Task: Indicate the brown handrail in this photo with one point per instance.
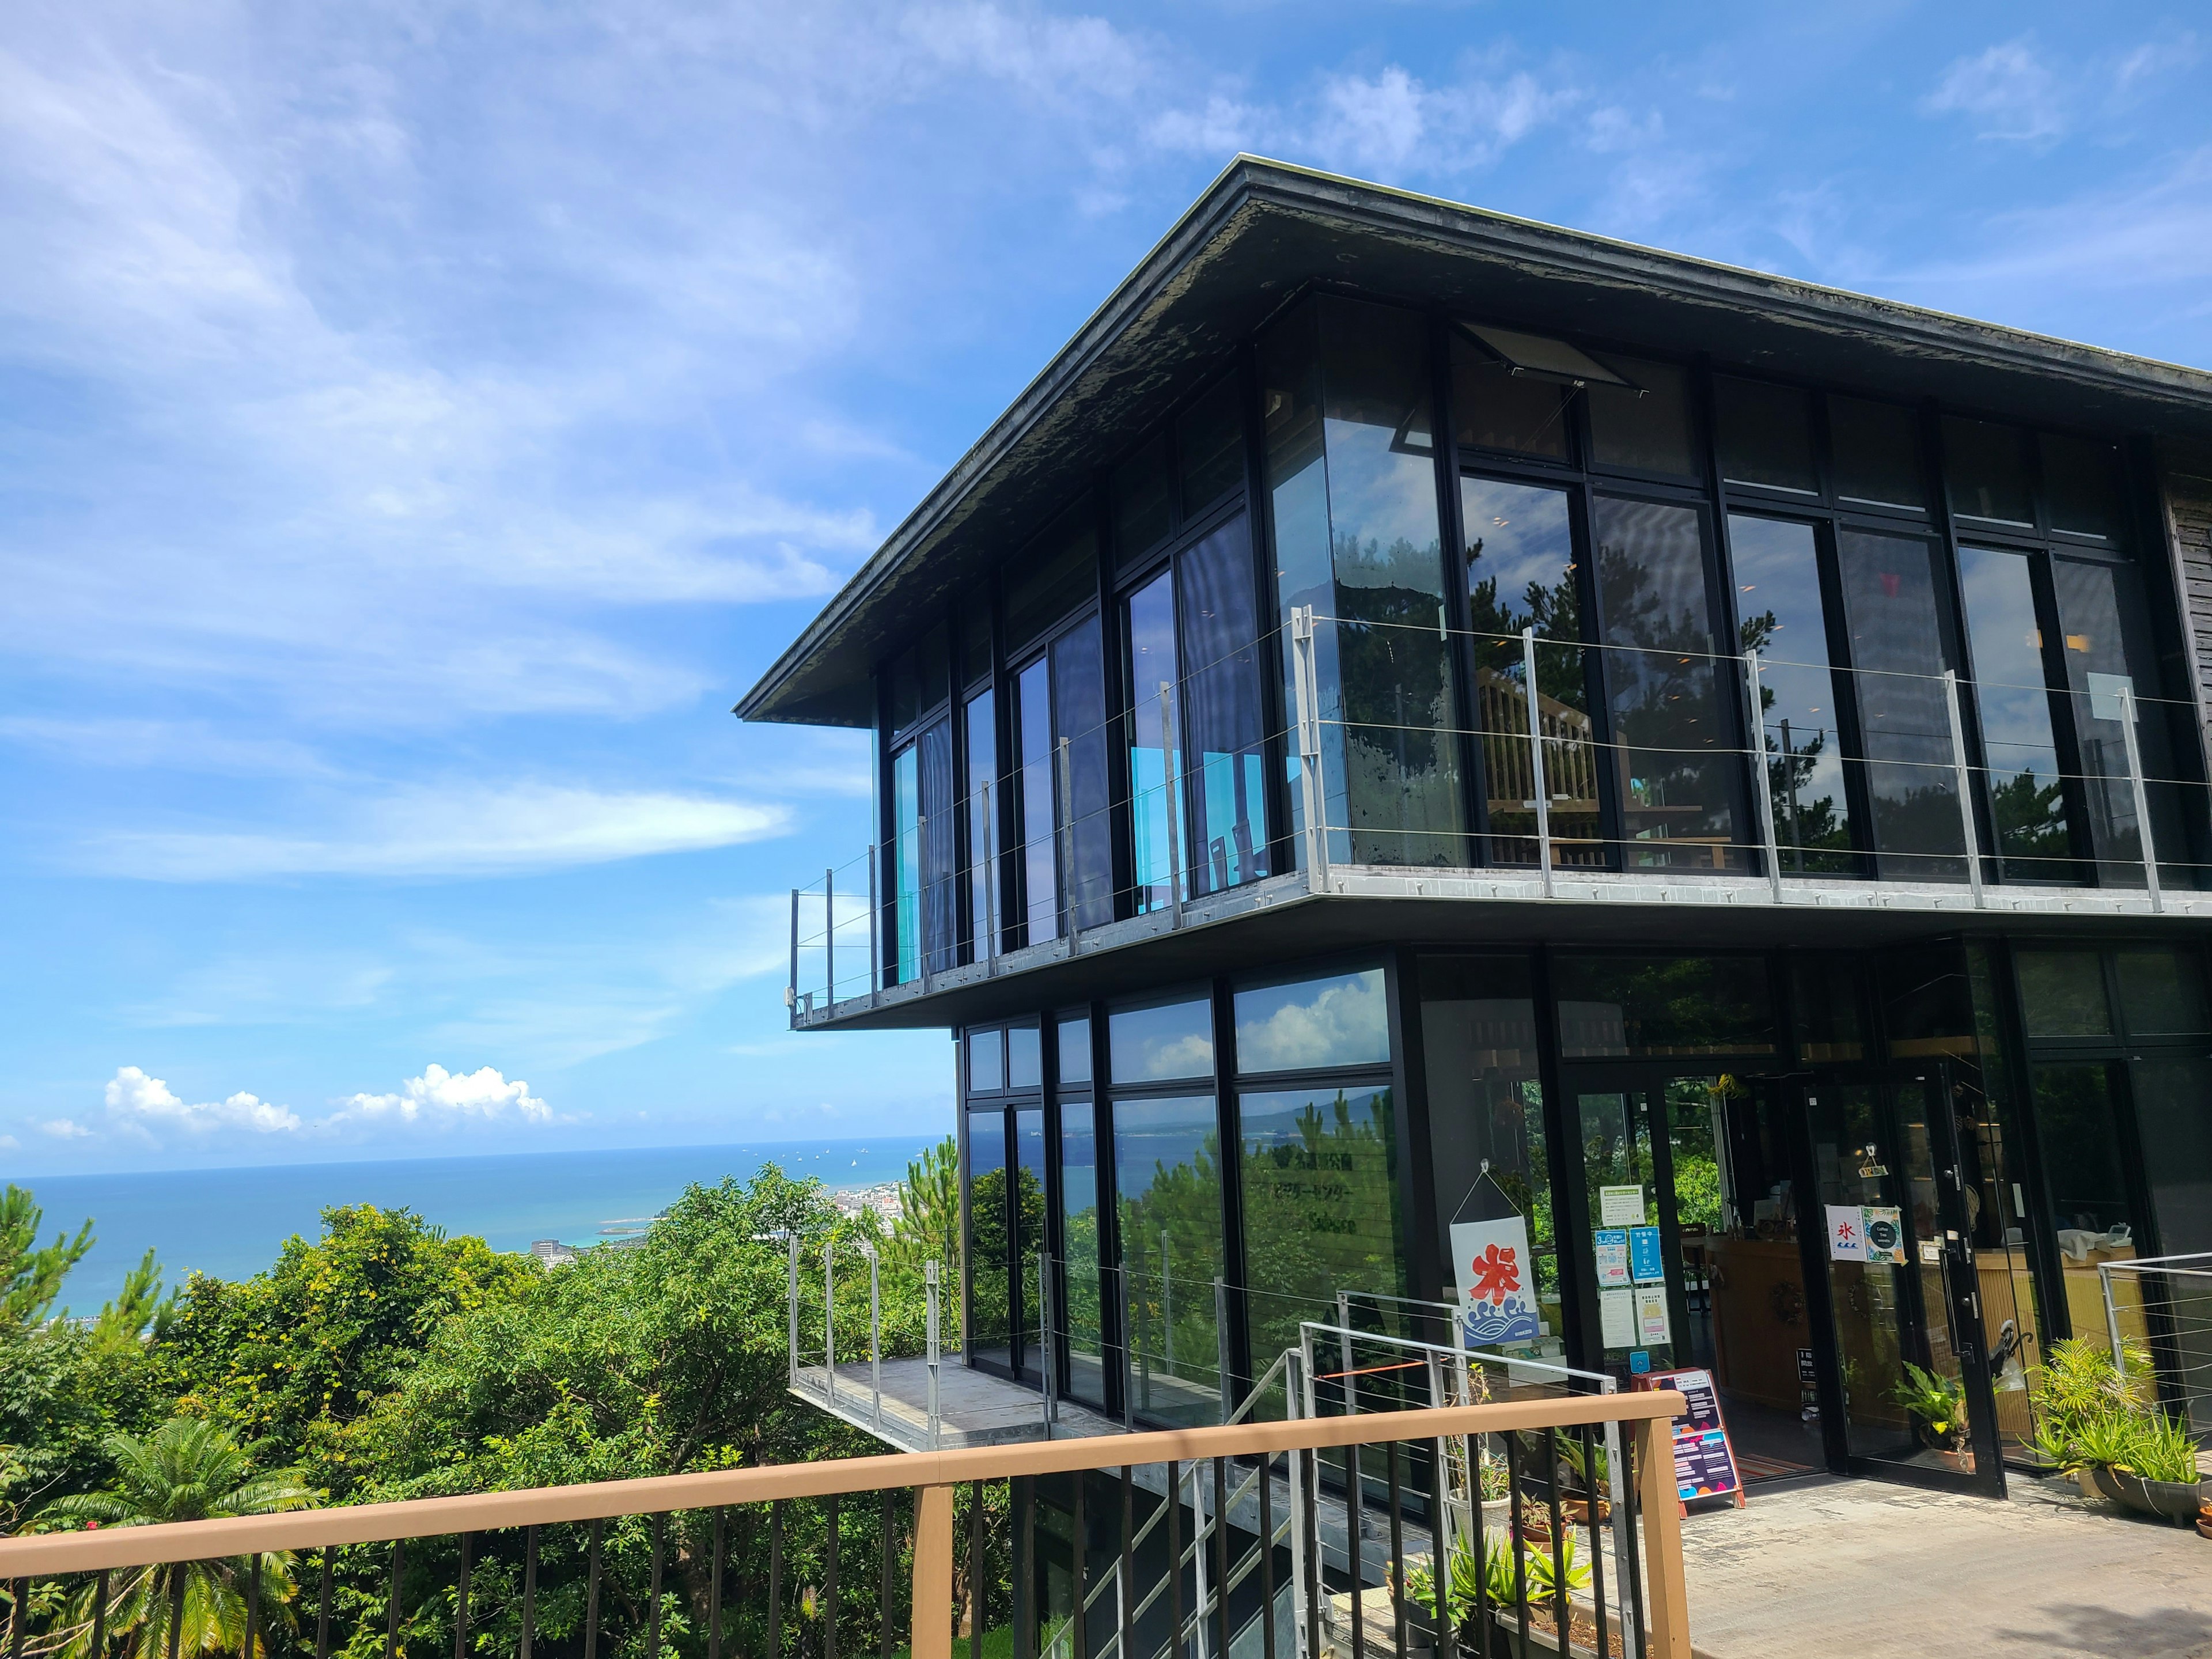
(935, 1473)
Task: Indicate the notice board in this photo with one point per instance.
(1705, 1461)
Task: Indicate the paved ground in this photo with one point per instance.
(1861, 1568)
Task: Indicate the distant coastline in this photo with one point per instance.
(233, 1223)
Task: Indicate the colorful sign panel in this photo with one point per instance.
(1705, 1461)
(1609, 1250)
(1646, 1264)
(1497, 1280)
(1866, 1232)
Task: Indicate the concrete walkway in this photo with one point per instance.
(1859, 1567)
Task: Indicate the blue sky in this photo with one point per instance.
(419, 421)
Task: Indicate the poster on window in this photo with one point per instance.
(1497, 1280)
(1884, 1232)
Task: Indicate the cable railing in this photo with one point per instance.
(2162, 1306)
(1935, 788)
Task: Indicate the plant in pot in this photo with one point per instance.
(1473, 1589)
(2098, 1422)
(2154, 1469)
(1590, 1484)
(1937, 1406)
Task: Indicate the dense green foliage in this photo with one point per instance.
(384, 1360)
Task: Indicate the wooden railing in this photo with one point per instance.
(1647, 1609)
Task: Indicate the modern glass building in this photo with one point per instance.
(1417, 719)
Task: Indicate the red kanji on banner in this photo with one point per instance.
(1496, 1272)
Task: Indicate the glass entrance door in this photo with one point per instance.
(1903, 1306)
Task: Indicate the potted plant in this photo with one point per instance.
(1937, 1406)
(1591, 1484)
(2098, 1423)
(2153, 1469)
(1492, 1585)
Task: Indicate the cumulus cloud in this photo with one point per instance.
(446, 1097)
(60, 1128)
(1341, 1017)
(135, 1097)
(464, 830)
(2007, 90)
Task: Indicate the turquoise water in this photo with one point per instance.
(231, 1223)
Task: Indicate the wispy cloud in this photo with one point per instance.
(2006, 90)
(465, 830)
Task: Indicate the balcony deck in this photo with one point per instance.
(974, 1408)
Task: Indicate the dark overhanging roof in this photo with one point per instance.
(1263, 230)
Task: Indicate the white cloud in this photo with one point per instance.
(133, 1097)
(2008, 89)
(464, 830)
(62, 1128)
(1047, 57)
(1345, 1016)
(447, 1097)
(171, 745)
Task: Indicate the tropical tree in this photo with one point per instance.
(31, 1274)
(928, 1225)
(188, 1469)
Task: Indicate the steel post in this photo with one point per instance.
(2128, 707)
(1965, 784)
(829, 934)
(1537, 785)
(930, 1293)
(1762, 790)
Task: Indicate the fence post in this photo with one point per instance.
(990, 861)
(794, 1238)
(1067, 846)
(1666, 1601)
(791, 999)
(929, 1279)
(2141, 797)
(1537, 786)
(2112, 1319)
(1305, 685)
(1221, 1346)
(876, 1332)
(1762, 790)
(1965, 784)
(829, 935)
(1046, 1367)
(830, 1318)
(875, 933)
(932, 1573)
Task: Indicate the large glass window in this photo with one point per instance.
(1673, 738)
(1403, 804)
(984, 910)
(1622, 1006)
(2081, 487)
(1986, 466)
(1298, 494)
(923, 902)
(2020, 747)
(1155, 744)
(1896, 619)
(987, 1060)
(1079, 1191)
(1777, 572)
(1056, 578)
(1161, 1042)
(1875, 455)
(1210, 447)
(1487, 1139)
(1343, 1019)
(1060, 718)
(1520, 573)
(990, 1240)
(1493, 407)
(1144, 507)
(1033, 741)
(1224, 714)
(1024, 1067)
(1029, 1239)
(1320, 1193)
(1166, 1179)
(2109, 644)
(905, 863)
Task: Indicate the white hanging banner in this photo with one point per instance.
(1497, 1280)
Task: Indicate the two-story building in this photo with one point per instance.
(1421, 727)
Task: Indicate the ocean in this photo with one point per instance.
(233, 1223)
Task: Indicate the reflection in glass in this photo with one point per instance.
(1766, 435)
(1828, 1010)
(1058, 577)
(984, 909)
(990, 1239)
(1143, 512)
(1896, 652)
(2062, 993)
(1495, 408)
(1166, 1040)
(1224, 716)
(906, 864)
(1986, 466)
(1083, 1287)
(1486, 1133)
(1394, 686)
(1614, 1127)
(2109, 642)
(1617, 1006)
(2170, 1096)
(2081, 485)
(1646, 430)
(940, 942)
(1876, 455)
(1155, 744)
(1298, 494)
(1341, 1020)
(2162, 993)
(976, 637)
(1321, 1206)
(1030, 1240)
(1210, 447)
(986, 1061)
(1033, 740)
(2028, 803)
(1777, 574)
(1074, 1058)
(1078, 704)
(1024, 1065)
(1677, 775)
(1520, 573)
(2076, 1120)
(1167, 1177)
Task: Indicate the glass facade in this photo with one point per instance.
(1168, 1181)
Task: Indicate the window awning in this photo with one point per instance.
(1535, 353)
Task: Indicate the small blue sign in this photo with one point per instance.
(1646, 1262)
(1640, 1360)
